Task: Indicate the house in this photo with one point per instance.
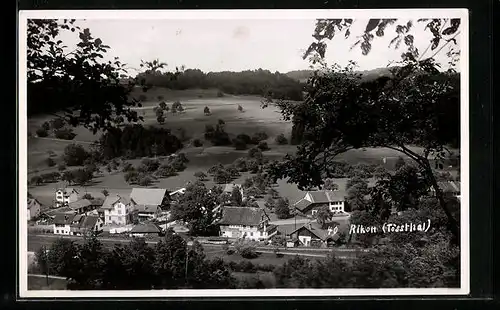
(313, 200)
(449, 188)
(82, 224)
(291, 243)
(81, 206)
(145, 212)
(34, 207)
(142, 230)
(62, 224)
(247, 223)
(228, 188)
(150, 197)
(65, 196)
(117, 210)
(312, 234)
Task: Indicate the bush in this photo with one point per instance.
(239, 144)
(42, 132)
(255, 153)
(145, 180)
(61, 167)
(57, 123)
(263, 146)
(127, 167)
(166, 170)
(248, 252)
(246, 138)
(75, 155)
(259, 136)
(51, 162)
(281, 139)
(64, 134)
(197, 143)
(46, 126)
(87, 196)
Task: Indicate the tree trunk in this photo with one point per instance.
(452, 222)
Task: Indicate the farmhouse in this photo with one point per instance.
(149, 198)
(65, 196)
(34, 207)
(117, 210)
(145, 212)
(313, 200)
(83, 206)
(246, 223)
(62, 224)
(312, 234)
(142, 230)
(82, 224)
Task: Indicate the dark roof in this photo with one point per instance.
(80, 204)
(64, 219)
(67, 190)
(112, 199)
(242, 216)
(32, 202)
(270, 227)
(302, 204)
(97, 202)
(316, 229)
(145, 229)
(84, 222)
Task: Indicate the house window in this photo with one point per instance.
(109, 218)
(119, 212)
(251, 234)
(57, 231)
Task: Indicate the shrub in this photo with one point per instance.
(42, 132)
(209, 132)
(255, 153)
(281, 139)
(166, 170)
(131, 177)
(57, 123)
(51, 162)
(87, 196)
(245, 138)
(46, 126)
(259, 136)
(200, 175)
(248, 252)
(61, 167)
(127, 167)
(197, 143)
(64, 134)
(75, 155)
(144, 180)
(105, 192)
(206, 111)
(263, 146)
(149, 165)
(239, 144)
(240, 108)
(177, 107)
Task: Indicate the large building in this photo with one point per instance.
(33, 208)
(148, 201)
(65, 196)
(314, 200)
(117, 210)
(71, 224)
(246, 223)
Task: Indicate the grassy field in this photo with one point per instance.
(193, 120)
(40, 283)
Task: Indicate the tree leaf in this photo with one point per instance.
(372, 23)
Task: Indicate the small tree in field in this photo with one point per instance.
(162, 105)
(200, 175)
(105, 193)
(281, 139)
(240, 108)
(206, 111)
(282, 209)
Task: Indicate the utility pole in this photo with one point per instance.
(46, 265)
(187, 255)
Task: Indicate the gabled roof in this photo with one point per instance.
(64, 219)
(242, 216)
(145, 229)
(112, 199)
(32, 202)
(316, 229)
(326, 196)
(84, 222)
(146, 209)
(148, 196)
(302, 204)
(228, 188)
(80, 204)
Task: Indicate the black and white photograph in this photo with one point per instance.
(226, 153)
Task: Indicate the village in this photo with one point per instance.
(145, 213)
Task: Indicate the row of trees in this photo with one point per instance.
(150, 169)
(137, 141)
(252, 82)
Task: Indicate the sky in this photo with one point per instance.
(236, 44)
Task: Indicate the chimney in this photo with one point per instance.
(309, 225)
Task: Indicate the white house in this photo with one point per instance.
(82, 224)
(34, 207)
(313, 200)
(246, 223)
(62, 224)
(117, 210)
(65, 196)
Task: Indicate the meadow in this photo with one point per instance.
(193, 120)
